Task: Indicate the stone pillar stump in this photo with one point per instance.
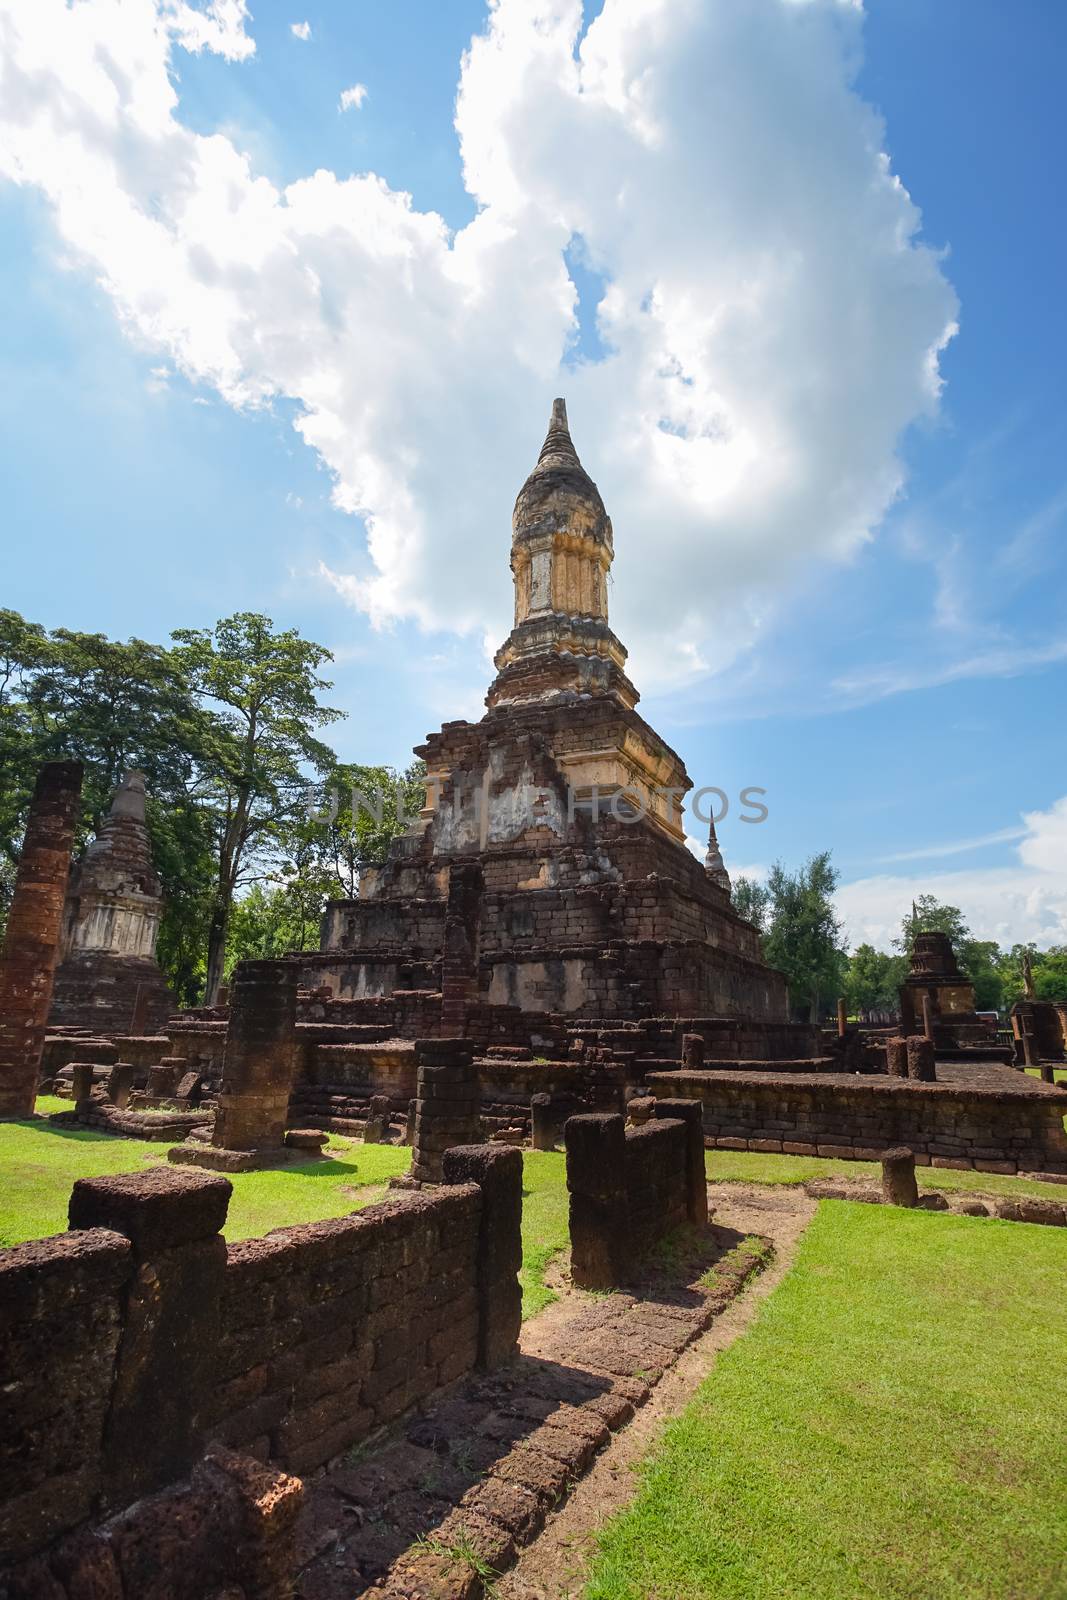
(898, 1178)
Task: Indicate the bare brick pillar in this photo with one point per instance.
(896, 1058)
(599, 1214)
(497, 1169)
(376, 1127)
(165, 1368)
(447, 1104)
(459, 964)
(898, 1178)
(691, 1112)
(120, 1083)
(34, 926)
(259, 1061)
(921, 1058)
(544, 1124)
(692, 1051)
(81, 1082)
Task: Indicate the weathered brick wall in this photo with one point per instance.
(333, 1329)
(949, 1124)
(655, 1174)
(61, 1315)
(130, 1343)
(629, 1187)
(406, 925)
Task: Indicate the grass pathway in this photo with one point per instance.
(891, 1427)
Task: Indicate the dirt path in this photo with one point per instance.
(555, 1565)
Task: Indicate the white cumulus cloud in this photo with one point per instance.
(770, 318)
(1026, 900)
(352, 99)
(300, 30)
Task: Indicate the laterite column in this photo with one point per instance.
(34, 927)
(260, 1058)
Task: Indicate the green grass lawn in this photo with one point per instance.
(751, 1166)
(545, 1227)
(39, 1162)
(1059, 1073)
(891, 1427)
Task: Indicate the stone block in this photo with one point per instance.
(156, 1210)
(120, 1083)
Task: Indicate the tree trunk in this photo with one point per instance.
(216, 950)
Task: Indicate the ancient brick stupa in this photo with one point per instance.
(548, 869)
(935, 975)
(108, 978)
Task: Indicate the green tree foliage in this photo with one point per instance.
(803, 935)
(752, 900)
(358, 811)
(347, 823)
(1049, 968)
(110, 705)
(224, 725)
(930, 916)
(872, 981)
(263, 690)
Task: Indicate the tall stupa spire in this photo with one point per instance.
(561, 554)
(714, 865)
(558, 446)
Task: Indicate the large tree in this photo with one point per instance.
(804, 937)
(348, 823)
(263, 688)
(111, 705)
(929, 915)
(872, 981)
(752, 900)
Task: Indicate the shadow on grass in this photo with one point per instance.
(83, 1135)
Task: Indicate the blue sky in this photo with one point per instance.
(899, 693)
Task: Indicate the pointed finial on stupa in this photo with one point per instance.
(558, 446)
(128, 799)
(714, 865)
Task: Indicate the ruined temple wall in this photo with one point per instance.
(637, 910)
(296, 1346)
(109, 992)
(411, 925)
(335, 1329)
(838, 1114)
(63, 1296)
(632, 981)
(656, 1188)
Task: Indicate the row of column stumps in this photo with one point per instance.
(912, 1057)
